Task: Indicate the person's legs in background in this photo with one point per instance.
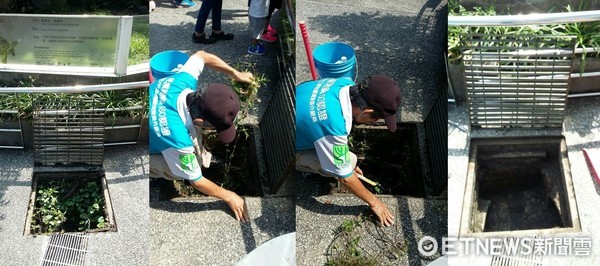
(217, 33)
(256, 26)
(269, 33)
(205, 8)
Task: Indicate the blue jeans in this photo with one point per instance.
(207, 5)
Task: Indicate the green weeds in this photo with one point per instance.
(587, 33)
(348, 250)
(65, 205)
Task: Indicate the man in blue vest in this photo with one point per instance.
(325, 110)
(177, 111)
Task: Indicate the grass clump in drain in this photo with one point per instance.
(359, 241)
(68, 206)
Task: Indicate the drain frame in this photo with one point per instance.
(518, 82)
(568, 198)
(98, 175)
(69, 133)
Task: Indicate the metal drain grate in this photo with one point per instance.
(278, 129)
(66, 249)
(512, 258)
(517, 81)
(68, 130)
(436, 128)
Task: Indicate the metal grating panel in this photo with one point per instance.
(68, 130)
(517, 81)
(66, 249)
(436, 129)
(278, 129)
(516, 257)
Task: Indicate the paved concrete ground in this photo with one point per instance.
(171, 29)
(126, 171)
(405, 40)
(319, 216)
(581, 130)
(202, 231)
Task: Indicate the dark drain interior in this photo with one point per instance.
(69, 202)
(391, 159)
(520, 184)
(233, 167)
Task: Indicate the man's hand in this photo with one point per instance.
(379, 208)
(235, 202)
(358, 170)
(383, 214)
(238, 206)
(245, 77)
(357, 188)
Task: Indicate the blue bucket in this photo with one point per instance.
(163, 63)
(328, 61)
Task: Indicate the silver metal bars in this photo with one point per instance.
(68, 130)
(66, 249)
(279, 140)
(517, 81)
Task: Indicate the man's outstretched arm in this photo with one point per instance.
(218, 64)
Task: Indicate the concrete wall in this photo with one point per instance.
(530, 6)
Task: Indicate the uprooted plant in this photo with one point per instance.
(359, 241)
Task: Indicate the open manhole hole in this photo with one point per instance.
(516, 185)
(233, 167)
(390, 159)
(69, 202)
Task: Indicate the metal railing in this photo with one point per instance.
(77, 88)
(80, 89)
(523, 20)
(536, 19)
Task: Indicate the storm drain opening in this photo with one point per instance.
(69, 190)
(69, 202)
(519, 184)
(233, 166)
(389, 159)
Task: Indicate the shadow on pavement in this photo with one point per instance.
(226, 14)
(410, 49)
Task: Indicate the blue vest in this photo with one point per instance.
(319, 112)
(167, 130)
